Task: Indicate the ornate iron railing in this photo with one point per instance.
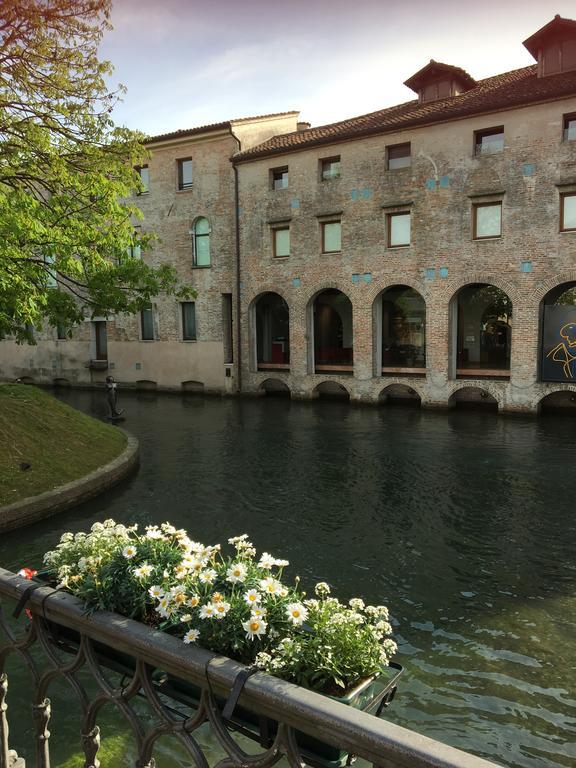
(144, 651)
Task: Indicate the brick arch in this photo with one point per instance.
(488, 386)
(331, 383)
(248, 303)
(550, 390)
(304, 301)
(544, 287)
(418, 388)
(311, 294)
(450, 290)
(379, 288)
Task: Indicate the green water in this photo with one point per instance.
(464, 524)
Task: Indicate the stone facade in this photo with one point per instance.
(167, 361)
(442, 187)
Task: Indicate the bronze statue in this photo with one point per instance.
(112, 397)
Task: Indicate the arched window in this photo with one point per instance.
(333, 339)
(484, 331)
(201, 242)
(403, 331)
(272, 333)
(558, 335)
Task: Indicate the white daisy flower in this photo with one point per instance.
(296, 613)
(257, 612)
(281, 563)
(207, 611)
(181, 571)
(221, 609)
(129, 552)
(156, 592)
(270, 586)
(207, 576)
(193, 601)
(252, 596)
(143, 571)
(254, 628)
(266, 561)
(236, 539)
(236, 573)
(191, 636)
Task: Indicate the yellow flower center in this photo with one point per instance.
(254, 625)
(296, 614)
(216, 597)
(179, 599)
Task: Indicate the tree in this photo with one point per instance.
(67, 225)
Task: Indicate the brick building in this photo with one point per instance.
(413, 252)
(189, 202)
(422, 252)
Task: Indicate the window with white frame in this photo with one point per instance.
(201, 242)
(486, 220)
(399, 229)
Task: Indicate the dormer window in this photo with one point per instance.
(554, 47)
(439, 81)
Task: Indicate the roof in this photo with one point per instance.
(518, 88)
(557, 29)
(434, 69)
(211, 128)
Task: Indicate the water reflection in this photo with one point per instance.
(462, 523)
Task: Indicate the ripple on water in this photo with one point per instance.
(462, 523)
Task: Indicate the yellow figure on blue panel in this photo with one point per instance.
(565, 351)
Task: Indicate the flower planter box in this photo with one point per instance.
(372, 696)
(222, 601)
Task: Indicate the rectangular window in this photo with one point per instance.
(61, 331)
(568, 212)
(331, 236)
(487, 220)
(147, 324)
(227, 327)
(398, 156)
(185, 173)
(279, 178)
(569, 127)
(189, 321)
(144, 173)
(281, 240)
(490, 141)
(330, 168)
(399, 229)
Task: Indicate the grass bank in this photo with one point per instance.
(44, 443)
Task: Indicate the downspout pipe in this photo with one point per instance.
(238, 276)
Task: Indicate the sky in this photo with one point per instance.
(188, 63)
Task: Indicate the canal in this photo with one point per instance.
(463, 523)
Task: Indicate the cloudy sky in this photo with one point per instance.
(192, 62)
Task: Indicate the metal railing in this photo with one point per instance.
(55, 620)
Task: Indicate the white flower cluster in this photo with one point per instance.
(236, 605)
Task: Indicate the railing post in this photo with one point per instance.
(91, 745)
(41, 714)
(3, 722)
(8, 758)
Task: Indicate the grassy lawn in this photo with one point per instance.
(59, 443)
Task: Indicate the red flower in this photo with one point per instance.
(27, 573)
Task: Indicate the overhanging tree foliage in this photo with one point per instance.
(66, 174)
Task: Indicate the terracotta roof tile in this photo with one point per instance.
(518, 88)
(212, 127)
